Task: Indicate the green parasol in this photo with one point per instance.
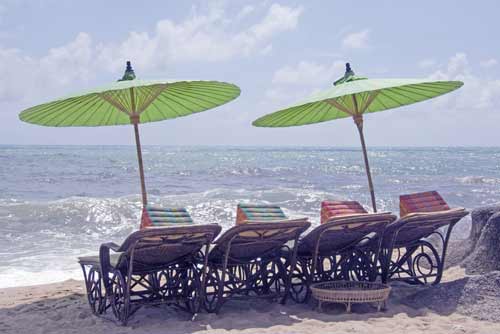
(132, 101)
(353, 96)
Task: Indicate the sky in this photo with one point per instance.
(277, 52)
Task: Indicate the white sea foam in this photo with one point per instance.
(11, 277)
(478, 180)
(51, 234)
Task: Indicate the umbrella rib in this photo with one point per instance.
(381, 102)
(196, 99)
(202, 91)
(212, 86)
(280, 118)
(421, 90)
(399, 90)
(287, 117)
(164, 116)
(169, 97)
(339, 106)
(355, 103)
(110, 111)
(38, 115)
(411, 90)
(325, 107)
(94, 112)
(369, 101)
(50, 119)
(446, 84)
(275, 117)
(125, 99)
(81, 113)
(152, 96)
(361, 100)
(301, 117)
(110, 100)
(226, 91)
(384, 93)
(199, 95)
(428, 87)
(167, 103)
(118, 114)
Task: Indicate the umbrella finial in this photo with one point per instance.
(349, 73)
(129, 73)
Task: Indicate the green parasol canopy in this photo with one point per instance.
(353, 96)
(132, 101)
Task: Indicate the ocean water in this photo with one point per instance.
(61, 202)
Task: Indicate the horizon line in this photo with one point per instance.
(255, 145)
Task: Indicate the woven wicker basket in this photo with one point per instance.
(350, 292)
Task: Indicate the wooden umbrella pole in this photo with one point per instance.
(139, 158)
(134, 119)
(358, 119)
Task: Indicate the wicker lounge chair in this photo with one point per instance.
(153, 266)
(344, 247)
(246, 260)
(414, 247)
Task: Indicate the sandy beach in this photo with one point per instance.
(62, 308)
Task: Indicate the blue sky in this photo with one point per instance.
(278, 52)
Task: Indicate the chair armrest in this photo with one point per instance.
(111, 245)
(104, 257)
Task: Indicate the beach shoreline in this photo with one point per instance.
(62, 308)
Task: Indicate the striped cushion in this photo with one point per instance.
(429, 201)
(156, 216)
(249, 212)
(330, 209)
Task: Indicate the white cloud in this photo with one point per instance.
(245, 11)
(294, 83)
(488, 62)
(356, 40)
(25, 76)
(478, 93)
(208, 36)
(308, 73)
(205, 37)
(426, 63)
(266, 50)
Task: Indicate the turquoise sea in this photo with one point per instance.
(61, 202)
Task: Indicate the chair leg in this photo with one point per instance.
(309, 281)
(445, 240)
(220, 293)
(287, 278)
(120, 297)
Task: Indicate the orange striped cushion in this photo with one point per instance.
(428, 201)
(331, 209)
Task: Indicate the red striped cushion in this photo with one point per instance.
(428, 201)
(331, 209)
